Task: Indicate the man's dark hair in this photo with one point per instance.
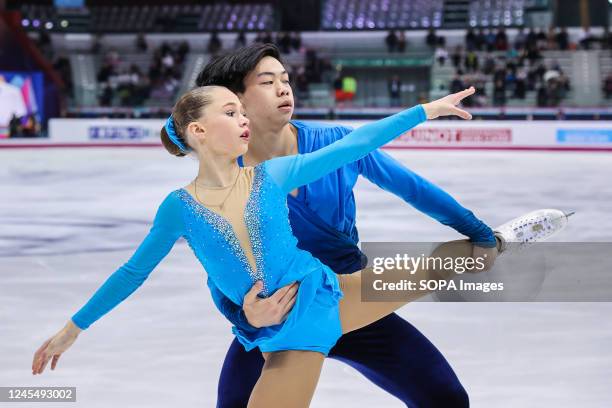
(229, 70)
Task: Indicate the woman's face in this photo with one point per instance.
(223, 129)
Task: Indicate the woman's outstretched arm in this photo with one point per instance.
(166, 229)
(290, 172)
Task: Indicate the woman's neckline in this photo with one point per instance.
(230, 185)
(241, 171)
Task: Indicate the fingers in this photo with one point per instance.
(44, 365)
(465, 93)
(291, 291)
(41, 362)
(54, 361)
(462, 114)
(279, 294)
(38, 355)
(251, 295)
(287, 308)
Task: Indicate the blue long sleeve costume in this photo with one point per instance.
(330, 208)
(391, 352)
(313, 323)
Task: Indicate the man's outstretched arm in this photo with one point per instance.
(390, 175)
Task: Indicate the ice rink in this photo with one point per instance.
(70, 217)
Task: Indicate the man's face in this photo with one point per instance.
(268, 97)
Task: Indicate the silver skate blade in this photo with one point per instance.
(568, 214)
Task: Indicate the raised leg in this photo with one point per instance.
(354, 313)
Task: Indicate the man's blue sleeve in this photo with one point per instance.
(390, 175)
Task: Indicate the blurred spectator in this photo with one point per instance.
(441, 55)
(471, 61)
(64, 69)
(551, 39)
(395, 90)
(520, 39)
(607, 86)
(214, 44)
(607, 38)
(267, 38)
(345, 87)
(532, 39)
(349, 87)
(31, 127)
(456, 84)
(314, 66)
(499, 93)
(456, 57)
(182, 51)
(141, 43)
(106, 96)
(585, 38)
(338, 84)
(240, 40)
(105, 72)
(401, 42)
(391, 41)
(521, 84)
(533, 53)
(501, 40)
(489, 64)
(470, 40)
(301, 84)
(431, 39)
(542, 100)
(562, 39)
(481, 40)
(14, 126)
(564, 83)
(490, 40)
(441, 41)
(553, 92)
(168, 61)
(284, 42)
(96, 44)
(541, 39)
(296, 41)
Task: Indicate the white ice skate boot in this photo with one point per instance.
(535, 226)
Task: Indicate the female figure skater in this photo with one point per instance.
(235, 220)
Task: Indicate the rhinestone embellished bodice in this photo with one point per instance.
(216, 243)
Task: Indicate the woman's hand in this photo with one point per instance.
(54, 347)
(447, 106)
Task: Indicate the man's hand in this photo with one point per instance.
(447, 106)
(488, 254)
(269, 311)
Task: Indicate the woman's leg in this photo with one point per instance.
(355, 314)
(288, 379)
(240, 372)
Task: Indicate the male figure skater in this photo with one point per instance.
(322, 216)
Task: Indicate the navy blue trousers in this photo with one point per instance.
(391, 353)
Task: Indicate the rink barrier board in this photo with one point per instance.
(387, 147)
(434, 135)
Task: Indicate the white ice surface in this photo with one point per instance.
(69, 218)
